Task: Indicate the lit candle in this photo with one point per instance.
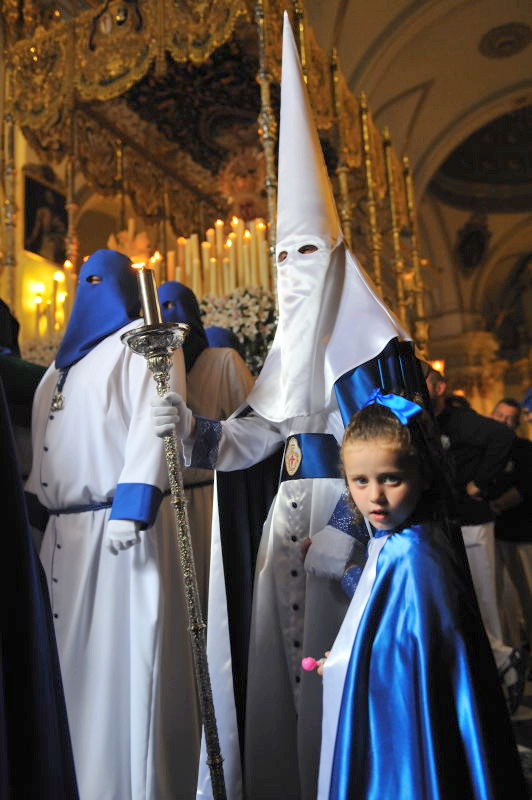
(232, 264)
(262, 247)
(59, 278)
(151, 309)
(197, 284)
(209, 235)
(246, 247)
(181, 247)
(71, 282)
(38, 301)
(219, 228)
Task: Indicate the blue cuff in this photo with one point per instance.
(350, 579)
(206, 443)
(344, 520)
(137, 501)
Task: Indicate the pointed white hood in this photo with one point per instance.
(330, 317)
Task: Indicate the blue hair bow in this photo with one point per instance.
(400, 406)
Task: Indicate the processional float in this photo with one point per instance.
(173, 107)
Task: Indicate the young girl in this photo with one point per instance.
(412, 707)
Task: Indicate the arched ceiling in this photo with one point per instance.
(434, 70)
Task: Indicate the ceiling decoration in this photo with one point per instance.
(505, 40)
(492, 169)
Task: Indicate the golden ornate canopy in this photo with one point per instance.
(174, 104)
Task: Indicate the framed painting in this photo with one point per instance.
(45, 219)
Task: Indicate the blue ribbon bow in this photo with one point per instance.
(400, 406)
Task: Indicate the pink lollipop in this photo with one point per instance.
(309, 663)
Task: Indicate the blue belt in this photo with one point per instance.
(311, 455)
(80, 509)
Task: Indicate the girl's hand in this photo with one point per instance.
(321, 662)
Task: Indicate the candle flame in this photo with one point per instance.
(38, 288)
(68, 264)
(234, 220)
(85, 258)
(139, 265)
(229, 243)
(156, 257)
(59, 276)
(61, 297)
(261, 226)
(181, 240)
(219, 222)
(247, 234)
(37, 299)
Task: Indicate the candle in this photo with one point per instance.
(181, 247)
(226, 286)
(131, 229)
(246, 247)
(187, 272)
(37, 300)
(197, 284)
(254, 255)
(213, 287)
(205, 257)
(170, 266)
(209, 235)
(151, 310)
(262, 247)
(232, 264)
(219, 229)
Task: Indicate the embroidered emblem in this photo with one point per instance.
(293, 456)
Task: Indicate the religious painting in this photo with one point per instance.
(45, 219)
(472, 242)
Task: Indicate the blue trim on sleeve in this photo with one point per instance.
(137, 501)
(206, 443)
(350, 579)
(344, 520)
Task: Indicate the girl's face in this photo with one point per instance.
(384, 482)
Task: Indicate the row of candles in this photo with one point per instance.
(224, 261)
(55, 309)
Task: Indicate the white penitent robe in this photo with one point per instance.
(294, 615)
(217, 385)
(120, 620)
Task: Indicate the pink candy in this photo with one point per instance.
(309, 663)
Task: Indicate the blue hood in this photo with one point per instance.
(99, 308)
(222, 337)
(179, 304)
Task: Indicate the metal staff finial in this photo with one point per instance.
(156, 341)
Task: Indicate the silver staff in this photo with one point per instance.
(156, 341)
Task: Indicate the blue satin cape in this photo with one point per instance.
(99, 308)
(179, 304)
(422, 715)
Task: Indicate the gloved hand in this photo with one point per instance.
(329, 552)
(170, 413)
(121, 534)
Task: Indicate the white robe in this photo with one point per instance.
(119, 620)
(217, 385)
(294, 615)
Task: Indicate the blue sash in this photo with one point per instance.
(319, 456)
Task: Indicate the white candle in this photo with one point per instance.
(170, 266)
(219, 229)
(232, 264)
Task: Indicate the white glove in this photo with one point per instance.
(122, 534)
(329, 553)
(170, 413)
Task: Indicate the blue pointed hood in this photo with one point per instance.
(179, 304)
(101, 306)
(222, 337)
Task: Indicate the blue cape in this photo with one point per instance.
(99, 308)
(179, 304)
(222, 337)
(423, 716)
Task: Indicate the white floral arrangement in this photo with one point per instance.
(42, 351)
(250, 314)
